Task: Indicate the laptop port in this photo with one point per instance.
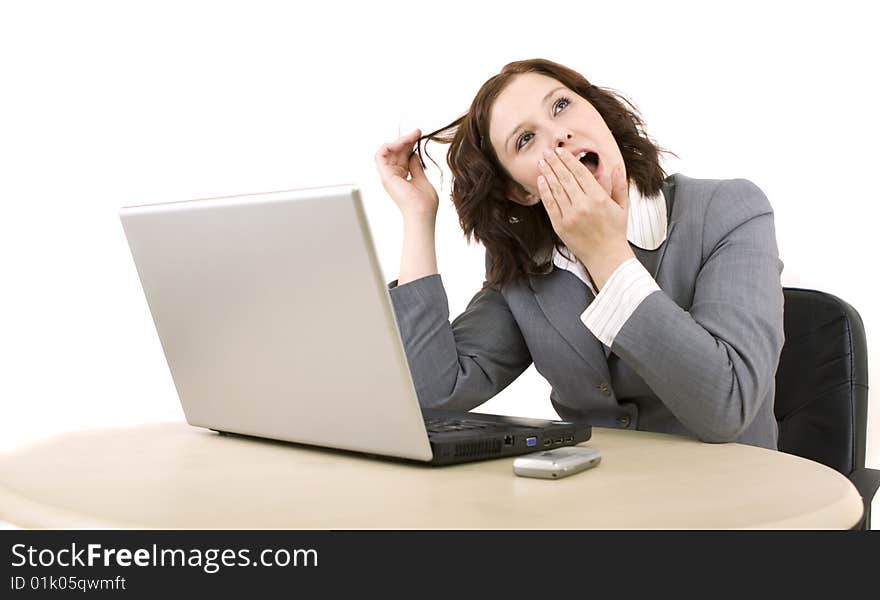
(508, 440)
(531, 441)
(558, 441)
(569, 438)
(548, 442)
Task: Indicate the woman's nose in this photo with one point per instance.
(562, 138)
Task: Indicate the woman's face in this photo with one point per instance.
(536, 113)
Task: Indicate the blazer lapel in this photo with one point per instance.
(648, 258)
(563, 297)
(651, 259)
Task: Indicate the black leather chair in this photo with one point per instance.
(822, 387)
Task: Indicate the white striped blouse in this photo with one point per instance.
(631, 282)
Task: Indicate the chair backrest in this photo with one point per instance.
(822, 381)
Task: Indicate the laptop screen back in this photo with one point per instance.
(275, 319)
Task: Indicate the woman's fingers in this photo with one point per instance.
(581, 174)
(563, 174)
(548, 200)
(394, 158)
(409, 138)
(555, 185)
(401, 147)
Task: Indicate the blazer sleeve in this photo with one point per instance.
(714, 365)
(460, 365)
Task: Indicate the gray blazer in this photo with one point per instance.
(697, 358)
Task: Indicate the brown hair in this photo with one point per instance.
(519, 239)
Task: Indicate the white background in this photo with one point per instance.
(107, 104)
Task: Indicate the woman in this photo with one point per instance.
(647, 302)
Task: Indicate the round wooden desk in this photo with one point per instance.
(173, 476)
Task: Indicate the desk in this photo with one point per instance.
(173, 476)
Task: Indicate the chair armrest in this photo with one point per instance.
(866, 481)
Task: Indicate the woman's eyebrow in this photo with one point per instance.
(543, 102)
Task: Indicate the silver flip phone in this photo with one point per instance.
(557, 463)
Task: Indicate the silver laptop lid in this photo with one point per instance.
(276, 321)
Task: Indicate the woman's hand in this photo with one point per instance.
(591, 223)
(404, 179)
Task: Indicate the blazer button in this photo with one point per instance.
(603, 387)
(624, 421)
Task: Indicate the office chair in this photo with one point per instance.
(822, 387)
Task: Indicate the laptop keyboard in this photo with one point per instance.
(434, 425)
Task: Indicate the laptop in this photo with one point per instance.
(276, 322)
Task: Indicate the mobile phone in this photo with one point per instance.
(557, 463)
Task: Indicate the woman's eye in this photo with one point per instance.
(519, 143)
(521, 138)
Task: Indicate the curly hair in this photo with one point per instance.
(519, 240)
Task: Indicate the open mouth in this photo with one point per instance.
(591, 161)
